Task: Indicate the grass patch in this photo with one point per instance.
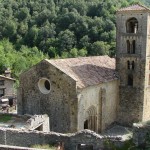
(45, 146)
(5, 118)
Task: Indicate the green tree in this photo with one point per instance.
(99, 48)
(66, 40)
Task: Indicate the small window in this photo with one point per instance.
(128, 46)
(133, 47)
(133, 65)
(2, 92)
(128, 64)
(130, 80)
(44, 85)
(47, 85)
(1, 82)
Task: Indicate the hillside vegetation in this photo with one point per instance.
(31, 30)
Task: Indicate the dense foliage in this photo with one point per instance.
(20, 60)
(31, 29)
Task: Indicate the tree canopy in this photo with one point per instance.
(31, 30)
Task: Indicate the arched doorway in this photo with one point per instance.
(91, 119)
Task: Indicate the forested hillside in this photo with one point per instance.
(31, 30)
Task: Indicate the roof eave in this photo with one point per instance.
(80, 87)
(61, 70)
(133, 11)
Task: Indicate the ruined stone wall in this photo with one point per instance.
(6, 147)
(36, 121)
(8, 86)
(71, 141)
(141, 135)
(60, 103)
(27, 122)
(104, 98)
(132, 98)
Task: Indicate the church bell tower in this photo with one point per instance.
(133, 63)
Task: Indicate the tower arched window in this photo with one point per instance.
(133, 65)
(132, 25)
(130, 80)
(128, 64)
(133, 46)
(128, 47)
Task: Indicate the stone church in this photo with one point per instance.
(93, 92)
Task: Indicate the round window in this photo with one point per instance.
(44, 85)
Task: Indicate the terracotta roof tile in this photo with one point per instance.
(135, 7)
(87, 70)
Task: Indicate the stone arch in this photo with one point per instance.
(132, 25)
(91, 119)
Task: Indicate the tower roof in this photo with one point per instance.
(135, 7)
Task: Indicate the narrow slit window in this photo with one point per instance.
(1, 82)
(128, 64)
(130, 80)
(2, 92)
(133, 65)
(128, 46)
(133, 46)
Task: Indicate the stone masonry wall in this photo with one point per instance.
(8, 86)
(132, 98)
(105, 103)
(141, 135)
(28, 138)
(6, 147)
(60, 104)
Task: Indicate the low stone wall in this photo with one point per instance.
(6, 147)
(37, 120)
(141, 135)
(31, 122)
(71, 141)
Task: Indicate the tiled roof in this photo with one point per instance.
(87, 70)
(8, 78)
(135, 7)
